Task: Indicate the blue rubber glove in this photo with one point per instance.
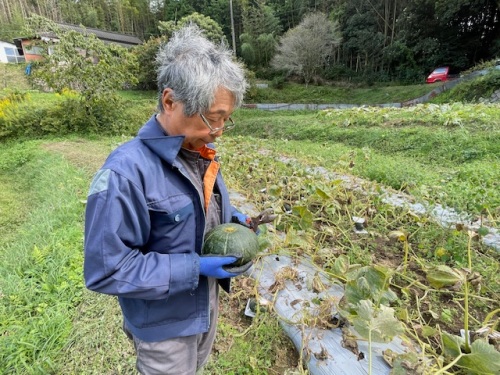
(217, 266)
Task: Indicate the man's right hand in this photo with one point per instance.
(215, 266)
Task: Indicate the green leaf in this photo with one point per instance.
(442, 276)
(295, 239)
(381, 322)
(322, 194)
(363, 285)
(275, 190)
(264, 243)
(483, 359)
(374, 285)
(452, 344)
(428, 331)
(306, 217)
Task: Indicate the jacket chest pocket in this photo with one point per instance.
(172, 231)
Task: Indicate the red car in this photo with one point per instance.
(441, 74)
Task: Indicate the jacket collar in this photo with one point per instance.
(165, 146)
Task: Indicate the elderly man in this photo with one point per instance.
(154, 199)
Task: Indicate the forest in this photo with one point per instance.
(370, 40)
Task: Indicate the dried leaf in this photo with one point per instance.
(317, 284)
(322, 355)
(349, 341)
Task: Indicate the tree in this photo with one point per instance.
(305, 49)
(369, 27)
(83, 64)
(363, 42)
(174, 10)
(261, 29)
(211, 29)
(145, 53)
(459, 33)
(219, 11)
(381, 38)
(473, 27)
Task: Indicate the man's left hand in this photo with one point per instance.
(253, 223)
(242, 219)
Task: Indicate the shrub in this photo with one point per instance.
(278, 82)
(73, 115)
(9, 103)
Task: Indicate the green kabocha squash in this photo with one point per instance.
(232, 238)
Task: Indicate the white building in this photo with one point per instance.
(9, 53)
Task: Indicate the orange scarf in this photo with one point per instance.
(210, 174)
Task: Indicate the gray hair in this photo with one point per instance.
(194, 68)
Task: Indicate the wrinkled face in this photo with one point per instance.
(196, 132)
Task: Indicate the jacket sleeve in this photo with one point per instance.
(117, 225)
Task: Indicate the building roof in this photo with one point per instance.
(7, 43)
(106, 36)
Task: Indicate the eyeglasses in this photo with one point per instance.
(228, 125)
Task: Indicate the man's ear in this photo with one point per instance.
(167, 99)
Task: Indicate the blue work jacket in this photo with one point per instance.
(144, 230)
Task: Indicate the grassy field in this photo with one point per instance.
(447, 154)
(50, 323)
(338, 94)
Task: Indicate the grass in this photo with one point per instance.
(50, 323)
(295, 93)
(13, 77)
(12, 208)
(41, 268)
